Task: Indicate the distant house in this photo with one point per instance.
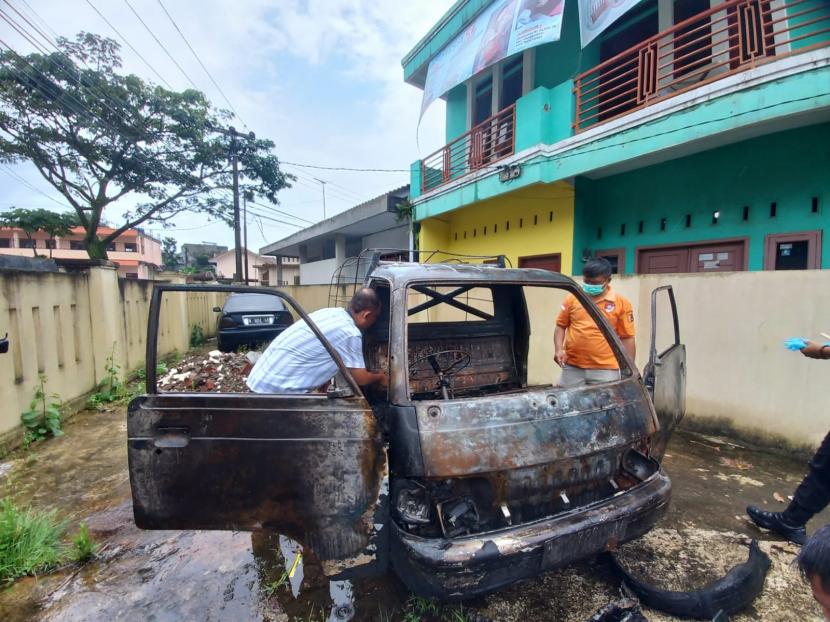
(323, 247)
(137, 254)
(198, 255)
(262, 269)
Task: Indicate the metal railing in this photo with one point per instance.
(726, 39)
(489, 141)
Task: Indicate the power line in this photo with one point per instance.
(199, 60)
(276, 220)
(25, 182)
(22, 33)
(129, 45)
(278, 211)
(161, 45)
(346, 168)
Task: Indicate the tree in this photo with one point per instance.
(169, 254)
(32, 220)
(98, 136)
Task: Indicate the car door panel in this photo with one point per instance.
(665, 375)
(308, 466)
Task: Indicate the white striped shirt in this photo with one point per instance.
(297, 362)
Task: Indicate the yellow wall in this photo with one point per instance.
(529, 205)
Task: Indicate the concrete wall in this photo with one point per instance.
(317, 272)
(733, 325)
(532, 221)
(66, 326)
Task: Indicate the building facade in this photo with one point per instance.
(323, 248)
(690, 136)
(198, 255)
(137, 254)
(262, 269)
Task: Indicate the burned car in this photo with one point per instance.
(472, 471)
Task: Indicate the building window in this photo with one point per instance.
(511, 81)
(76, 245)
(130, 247)
(615, 256)
(483, 100)
(793, 251)
(111, 246)
(50, 244)
(27, 243)
(5, 243)
(132, 275)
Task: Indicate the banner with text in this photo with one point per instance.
(501, 30)
(596, 15)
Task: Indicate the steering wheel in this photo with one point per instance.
(453, 361)
(445, 364)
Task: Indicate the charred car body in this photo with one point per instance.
(467, 475)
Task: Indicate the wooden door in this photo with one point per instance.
(663, 260)
(552, 262)
(718, 258)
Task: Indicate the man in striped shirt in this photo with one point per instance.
(297, 362)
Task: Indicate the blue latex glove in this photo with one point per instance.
(795, 343)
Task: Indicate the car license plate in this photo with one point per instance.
(257, 320)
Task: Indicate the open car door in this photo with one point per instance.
(665, 372)
(309, 466)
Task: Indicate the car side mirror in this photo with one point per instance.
(217, 309)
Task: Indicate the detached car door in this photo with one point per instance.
(308, 466)
(665, 372)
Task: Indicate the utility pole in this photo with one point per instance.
(234, 150)
(237, 242)
(245, 233)
(322, 183)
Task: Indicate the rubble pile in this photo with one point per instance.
(214, 372)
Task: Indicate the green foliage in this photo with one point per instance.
(44, 415)
(271, 588)
(197, 336)
(111, 388)
(161, 369)
(84, 546)
(404, 210)
(30, 541)
(97, 135)
(169, 254)
(54, 224)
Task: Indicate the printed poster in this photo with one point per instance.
(596, 15)
(504, 28)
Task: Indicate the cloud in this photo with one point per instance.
(322, 78)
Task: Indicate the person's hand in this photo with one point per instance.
(560, 358)
(383, 379)
(813, 350)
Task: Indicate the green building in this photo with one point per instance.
(689, 136)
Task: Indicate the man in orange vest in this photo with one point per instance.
(581, 349)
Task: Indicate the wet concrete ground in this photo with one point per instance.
(173, 575)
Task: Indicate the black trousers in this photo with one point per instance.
(813, 494)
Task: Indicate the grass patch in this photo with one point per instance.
(83, 546)
(30, 541)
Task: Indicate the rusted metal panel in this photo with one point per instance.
(465, 437)
(471, 566)
(307, 466)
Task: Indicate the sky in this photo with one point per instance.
(321, 78)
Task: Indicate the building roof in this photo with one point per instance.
(374, 215)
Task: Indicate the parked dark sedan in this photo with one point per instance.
(249, 320)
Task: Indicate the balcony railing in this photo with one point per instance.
(726, 39)
(489, 141)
